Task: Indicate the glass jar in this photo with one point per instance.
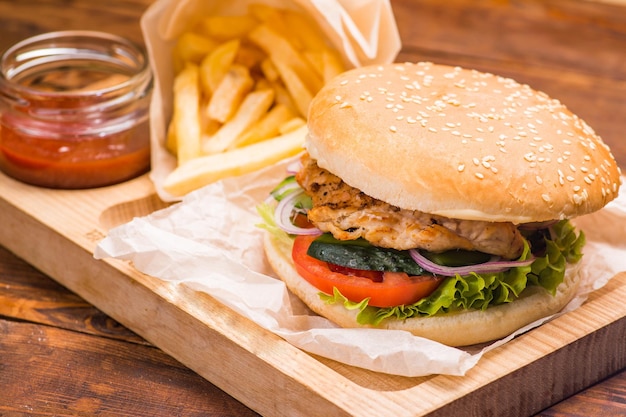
(74, 110)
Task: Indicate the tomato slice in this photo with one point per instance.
(376, 276)
(396, 288)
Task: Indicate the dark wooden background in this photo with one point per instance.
(61, 356)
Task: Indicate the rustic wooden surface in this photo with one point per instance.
(59, 355)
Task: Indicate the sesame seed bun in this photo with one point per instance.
(454, 329)
(459, 143)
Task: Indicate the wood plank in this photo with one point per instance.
(29, 18)
(98, 376)
(27, 294)
(605, 399)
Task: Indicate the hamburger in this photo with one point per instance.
(437, 200)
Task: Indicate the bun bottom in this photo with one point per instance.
(453, 329)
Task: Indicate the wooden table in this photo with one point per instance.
(60, 355)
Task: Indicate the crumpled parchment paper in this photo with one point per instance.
(210, 242)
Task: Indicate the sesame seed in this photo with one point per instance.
(479, 175)
(393, 128)
(546, 198)
(461, 167)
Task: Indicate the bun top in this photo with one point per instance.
(459, 143)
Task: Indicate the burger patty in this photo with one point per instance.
(348, 214)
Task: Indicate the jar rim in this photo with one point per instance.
(131, 52)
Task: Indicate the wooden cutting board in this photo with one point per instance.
(58, 230)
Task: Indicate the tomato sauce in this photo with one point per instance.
(74, 110)
(71, 164)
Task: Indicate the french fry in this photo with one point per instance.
(216, 64)
(291, 125)
(316, 60)
(262, 12)
(283, 97)
(186, 114)
(301, 95)
(279, 49)
(252, 108)
(332, 64)
(250, 56)
(170, 139)
(268, 126)
(269, 70)
(276, 19)
(227, 27)
(230, 93)
(207, 169)
(192, 47)
(305, 30)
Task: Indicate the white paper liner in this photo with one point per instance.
(210, 242)
(363, 31)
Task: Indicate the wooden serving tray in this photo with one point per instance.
(57, 232)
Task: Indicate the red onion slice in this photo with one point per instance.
(284, 212)
(294, 167)
(482, 268)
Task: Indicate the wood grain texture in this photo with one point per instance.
(607, 399)
(83, 361)
(97, 376)
(21, 19)
(28, 295)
